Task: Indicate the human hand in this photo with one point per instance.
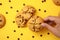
(56, 29)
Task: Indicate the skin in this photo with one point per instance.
(56, 29)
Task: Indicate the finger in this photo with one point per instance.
(51, 18)
(52, 29)
(46, 26)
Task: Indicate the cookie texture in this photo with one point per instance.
(2, 21)
(34, 23)
(56, 2)
(24, 15)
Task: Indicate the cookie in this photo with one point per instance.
(56, 2)
(29, 9)
(2, 21)
(34, 23)
(24, 15)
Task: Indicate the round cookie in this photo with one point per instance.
(2, 21)
(57, 2)
(24, 15)
(34, 23)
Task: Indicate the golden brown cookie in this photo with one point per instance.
(29, 9)
(24, 15)
(34, 23)
(57, 2)
(2, 20)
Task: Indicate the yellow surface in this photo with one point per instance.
(8, 29)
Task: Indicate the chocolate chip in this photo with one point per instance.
(14, 30)
(0, 3)
(39, 23)
(18, 26)
(21, 33)
(32, 36)
(18, 38)
(41, 35)
(42, 1)
(39, 9)
(20, 15)
(44, 10)
(37, 16)
(48, 33)
(11, 7)
(13, 21)
(17, 11)
(23, 4)
(26, 20)
(9, 0)
(0, 20)
(6, 12)
(7, 36)
(20, 20)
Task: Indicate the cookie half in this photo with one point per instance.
(34, 23)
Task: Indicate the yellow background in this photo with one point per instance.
(8, 29)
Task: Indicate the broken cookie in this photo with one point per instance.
(34, 23)
(24, 15)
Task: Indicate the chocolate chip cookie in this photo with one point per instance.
(34, 23)
(24, 15)
(57, 2)
(2, 21)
